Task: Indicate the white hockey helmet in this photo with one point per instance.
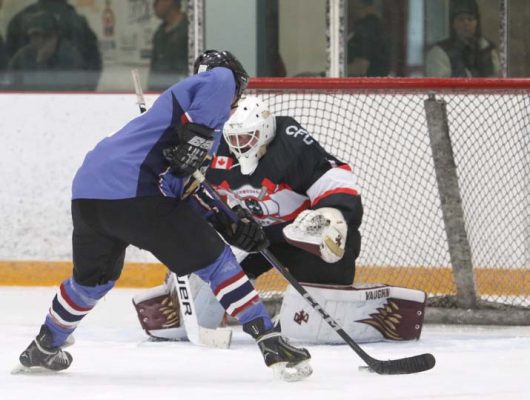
(248, 131)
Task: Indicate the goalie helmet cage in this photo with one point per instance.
(444, 171)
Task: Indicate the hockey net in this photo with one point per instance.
(380, 127)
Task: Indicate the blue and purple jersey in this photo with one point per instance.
(130, 162)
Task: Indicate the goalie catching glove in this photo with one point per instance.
(245, 234)
(321, 232)
(195, 141)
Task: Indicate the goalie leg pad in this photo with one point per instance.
(368, 313)
(160, 313)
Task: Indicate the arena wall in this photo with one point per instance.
(44, 140)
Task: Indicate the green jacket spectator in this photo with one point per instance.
(169, 59)
(48, 61)
(73, 27)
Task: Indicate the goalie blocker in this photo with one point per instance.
(368, 313)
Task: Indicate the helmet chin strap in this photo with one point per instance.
(249, 164)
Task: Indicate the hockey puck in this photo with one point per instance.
(365, 368)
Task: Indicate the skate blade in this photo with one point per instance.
(298, 372)
(22, 370)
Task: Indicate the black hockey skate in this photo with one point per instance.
(288, 363)
(41, 354)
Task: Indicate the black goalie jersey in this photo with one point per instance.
(295, 173)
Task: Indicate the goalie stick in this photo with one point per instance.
(407, 365)
(198, 335)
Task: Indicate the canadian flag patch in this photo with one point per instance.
(222, 162)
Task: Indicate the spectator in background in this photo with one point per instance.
(72, 27)
(3, 51)
(466, 53)
(48, 61)
(3, 54)
(169, 59)
(368, 48)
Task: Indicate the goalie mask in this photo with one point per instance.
(248, 132)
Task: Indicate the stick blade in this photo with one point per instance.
(217, 338)
(408, 365)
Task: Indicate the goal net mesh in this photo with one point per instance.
(383, 133)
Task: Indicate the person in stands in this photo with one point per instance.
(71, 27)
(169, 58)
(368, 51)
(48, 61)
(466, 53)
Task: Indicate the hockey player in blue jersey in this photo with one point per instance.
(128, 192)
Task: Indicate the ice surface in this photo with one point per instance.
(113, 360)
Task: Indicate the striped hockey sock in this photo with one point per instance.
(234, 290)
(71, 303)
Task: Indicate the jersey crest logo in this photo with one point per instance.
(301, 316)
(254, 207)
(222, 162)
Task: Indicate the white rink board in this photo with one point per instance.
(45, 137)
(44, 141)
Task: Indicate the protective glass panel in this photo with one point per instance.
(302, 25)
(373, 38)
(271, 37)
(92, 44)
(518, 44)
(462, 39)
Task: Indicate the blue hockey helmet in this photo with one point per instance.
(215, 58)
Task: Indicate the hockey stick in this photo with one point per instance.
(140, 100)
(198, 335)
(407, 365)
(219, 338)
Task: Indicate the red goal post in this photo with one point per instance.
(444, 170)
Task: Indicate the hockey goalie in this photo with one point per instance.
(271, 169)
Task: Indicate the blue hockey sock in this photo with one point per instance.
(71, 303)
(234, 290)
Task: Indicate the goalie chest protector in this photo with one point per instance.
(276, 191)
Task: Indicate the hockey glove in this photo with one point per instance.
(245, 234)
(195, 141)
(321, 232)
